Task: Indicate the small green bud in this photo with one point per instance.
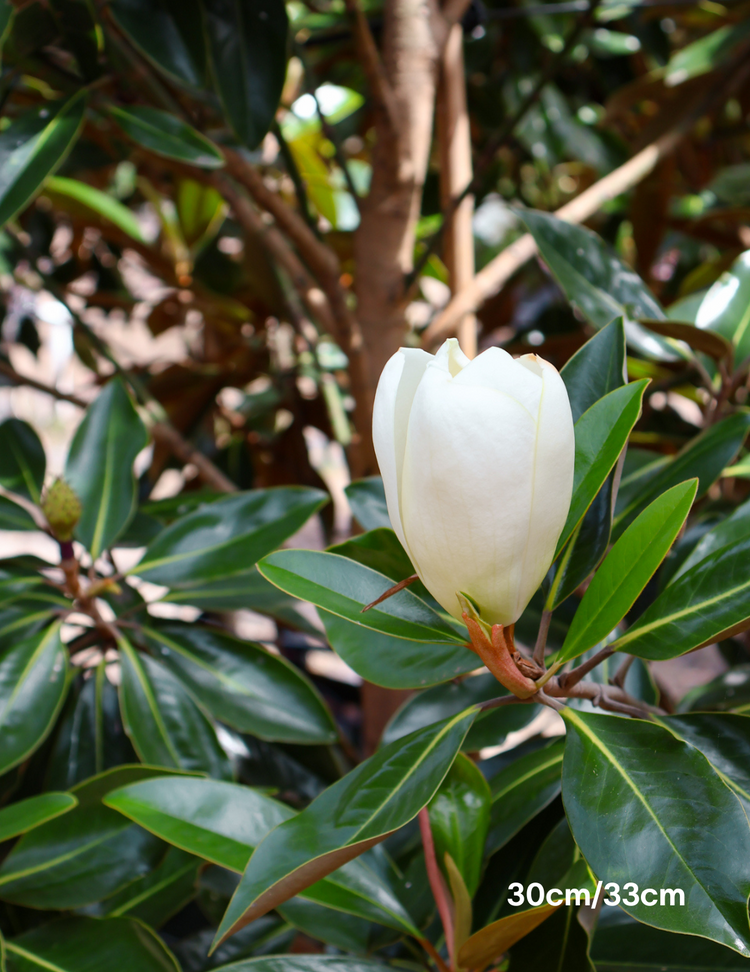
(62, 507)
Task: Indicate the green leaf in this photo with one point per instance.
(345, 932)
(33, 682)
(730, 692)
(94, 202)
(382, 794)
(596, 369)
(601, 434)
(367, 500)
(99, 466)
(705, 604)
(87, 945)
(709, 342)
(459, 819)
(725, 309)
(704, 457)
(490, 728)
(248, 49)
(304, 963)
(670, 823)
(15, 517)
(245, 590)
(624, 945)
(395, 662)
(521, 790)
(158, 895)
(90, 737)
(7, 13)
(724, 739)
(32, 147)
(343, 587)
(85, 855)
(163, 133)
(706, 54)
(169, 33)
(731, 530)
(381, 550)
(243, 684)
(165, 725)
(223, 823)
(596, 281)
(32, 812)
(224, 539)
(627, 569)
(22, 459)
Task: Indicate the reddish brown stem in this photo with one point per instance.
(390, 592)
(439, 890)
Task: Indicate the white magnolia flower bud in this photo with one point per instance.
(477, 461)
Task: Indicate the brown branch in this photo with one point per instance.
(541, 638)
(161, 432)
(390, 592)
(569, 679)
(381, 91)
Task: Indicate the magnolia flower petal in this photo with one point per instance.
(495, 368)
(552, 478)
(393, 399)
(450, 357)
(465, 497)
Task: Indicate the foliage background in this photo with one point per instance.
(226, 214)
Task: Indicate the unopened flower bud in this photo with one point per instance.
(477, 462)
(62, 507)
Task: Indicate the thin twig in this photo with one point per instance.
(390, 592)
(296, 176)
(569, 679)
(541, 638)
(333, 138)
(437, 883)
(382, 94)
(622, 672)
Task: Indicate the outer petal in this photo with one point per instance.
(466, 498)
(495, 368)
(393, 400)
(552, 478)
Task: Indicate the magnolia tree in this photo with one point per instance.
(528, 540)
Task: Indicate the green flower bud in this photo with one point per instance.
(62, 507)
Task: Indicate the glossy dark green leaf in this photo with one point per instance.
(596, 369)
(381, 550)
(32, 812)
(601, 434)
(624, 945)
(246, 590)
(243, 684)
(345, 932)
(32, 147)
(15, 517)
(33, 681)
(343, 587)
(730, 692)
(709, 342)
(627, 569)
(671, 822)
(707, 602)
(90, 736)
(100, 466)
(80, 198)
(724, 739)
(382, 794)
(460, 817)
(224, 539)
(521, 790)
(490, 728)
(169, 33)
(90, 945)
(732, 529)
(85, 855)
(367, 500)
(22, 459)
(165, 725)
(248, 50)
(395, 662)
(304, 963)
(158, 895)
(596, 281)
(704, 457)
(724, 309)
(223, 823)
(163, 133)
